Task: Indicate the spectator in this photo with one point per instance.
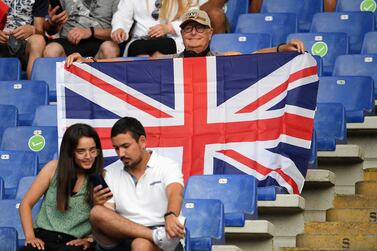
(22, 36)
(146, 190)
(215, 11)
(84, 26)
(63, 220)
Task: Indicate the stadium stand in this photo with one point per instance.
(234, 8)
(244, 43)
(278, 25)
(23, 186)
(45, 115)
(369, 43)
(325, 45)
(357, 5)
(8, 239)
(26, 95)
(304, 9)
(361, 23)
(10, 69)
(8, 117)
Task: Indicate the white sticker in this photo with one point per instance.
(368, 59)
(37, 132)
(341, 82)
(189, 205)
(318, 38)
(5, 156)
(17, 86)
(223, 181)
(344, 17)
(242, 39)
(268, 18)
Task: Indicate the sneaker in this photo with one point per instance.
(161, 239)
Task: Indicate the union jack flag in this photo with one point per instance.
(232, 114)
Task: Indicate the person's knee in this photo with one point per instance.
(108, 49)
(142, 244)
(36, 42)
(53, 50)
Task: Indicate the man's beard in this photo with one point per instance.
(132, 164)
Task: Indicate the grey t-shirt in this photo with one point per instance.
(88, 13)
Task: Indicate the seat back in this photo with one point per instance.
(23, 186)
(326, 45)
(355, 24)
(354, 92)
(10, 69)
(45, 115)
(357, 65)
(369, 43)
(244, 43)
(234, 8)
(26, 95)
(357, 5)
(2, 189)
(8, 117)
(278, 25)
(8, 239)
(304, 9)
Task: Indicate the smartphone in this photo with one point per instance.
(98, 179)
(55, 3)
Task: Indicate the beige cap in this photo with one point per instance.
(196, 15)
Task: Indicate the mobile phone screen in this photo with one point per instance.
(55, 3)
(97, 179)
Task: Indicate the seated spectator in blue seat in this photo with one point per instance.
(63, 220)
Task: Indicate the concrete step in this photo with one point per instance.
(340, 228)
(355, 201)
(225, 248)
(368, 188)
(370, 174)
(352, 215)
(343, 241)
(318, 178)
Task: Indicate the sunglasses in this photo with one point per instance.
(156, 12)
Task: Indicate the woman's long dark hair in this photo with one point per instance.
(67, 167)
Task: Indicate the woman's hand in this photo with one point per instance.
(85, 243)
(160, 30)
(35, 242)
(293, 45)
(101, 196)
(76, 57)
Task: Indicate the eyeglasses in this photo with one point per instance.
(81, 153)
(198, 28)
(156, 12)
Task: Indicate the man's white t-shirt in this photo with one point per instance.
(144, 202)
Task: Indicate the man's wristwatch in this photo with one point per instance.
(169, 213)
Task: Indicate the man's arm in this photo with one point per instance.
(174, 192)
(213, 4)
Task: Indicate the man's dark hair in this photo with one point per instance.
(128, 124)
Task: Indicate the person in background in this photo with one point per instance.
(216, 13)
(62, 223)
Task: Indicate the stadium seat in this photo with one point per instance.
(23, 186)
(330, 126)
(238, 193)
(326, 45)
(319, 65)
(355, 24)
(2, 189)
(8, 117)
(45, 115)
(10, 69)
(354, 92)
(244, 43)
(45, 69)
(278, 25)
(357, 5)
(304, 9)
(26, 95)
(40, 139)
(269, 192)
(13, 166)
(8, 239)
(234, 8)
(205, 221)
(357, 65)
(313, 161)
(369, 43)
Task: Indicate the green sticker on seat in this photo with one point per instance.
(320, 49)
(368, 5)
(37, 143)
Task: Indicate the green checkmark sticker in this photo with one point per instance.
(320, 49)
(36, 143)
(368, 5)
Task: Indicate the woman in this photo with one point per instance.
(63, 220)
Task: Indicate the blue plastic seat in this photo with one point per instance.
(8, 117)
(326, 45)
(319, 65)
(45, 115)
(23, 186)
(45, 69)
(356, 5)
(8, 239)
(10, 69)
(278, 25)
(355, 24)
(313, 160)
(2, 189)
(369, 43)
(330, 126)
(357, 65)
(269, 192)
(234, 8)
(26, 95)
(40, 139)
(244, 43)
(13, 166)
(304, 9)
(354, 92)
(205, 221)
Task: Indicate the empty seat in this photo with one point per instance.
(354, 92)
(270, 192)
(356, 5)
(205, 221)
(45, 69)
(13, 166)
(8, 117)
(330, 126)
(244, 43)
(369, 43)
(313, 160)
(357, 65)
(355, 24)
(40, 139)
(45, 115)
(23, 186)
(8, 239)
(26, 95)
(238, 193)
(326, 45)
(318, 59)
(278, 25)
(234, 8)
(10, 69)
(304, 9)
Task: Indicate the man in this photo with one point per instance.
(84, 26)
(146, 190)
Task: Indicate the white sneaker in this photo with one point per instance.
(161, 239)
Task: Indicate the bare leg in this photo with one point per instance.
(216, 14)
(54, 50)
(108, 49)
(143, 244)
(34, 49)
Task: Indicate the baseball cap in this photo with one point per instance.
(196, 15)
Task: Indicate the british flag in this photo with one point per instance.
(231, 114)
